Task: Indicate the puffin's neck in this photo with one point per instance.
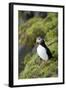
(43, 44)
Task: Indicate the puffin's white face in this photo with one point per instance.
(39, 40)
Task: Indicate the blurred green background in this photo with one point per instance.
(32, 24)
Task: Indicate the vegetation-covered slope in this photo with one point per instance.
(46, 27)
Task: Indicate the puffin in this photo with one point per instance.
(42, 50)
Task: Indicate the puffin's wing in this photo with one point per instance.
(49, 53)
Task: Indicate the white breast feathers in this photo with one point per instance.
(41, 51)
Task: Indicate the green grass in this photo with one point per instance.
(36, 68)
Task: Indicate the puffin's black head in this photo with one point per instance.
(39, 40)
